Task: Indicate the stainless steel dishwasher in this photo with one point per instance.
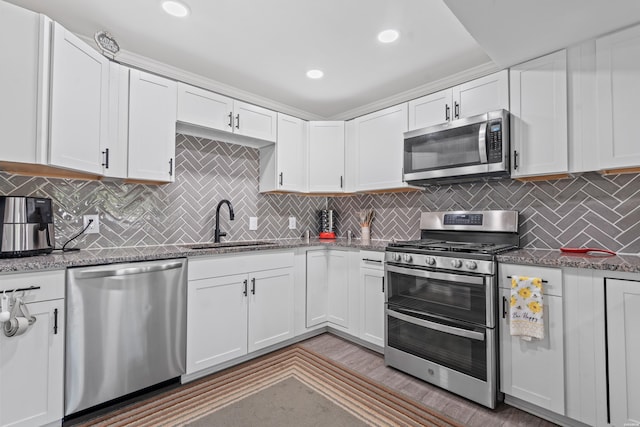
(126, 329)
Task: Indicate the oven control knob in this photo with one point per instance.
(430, 260)
(407, 258)
(396, 257)
(456, 263)
(471, 265)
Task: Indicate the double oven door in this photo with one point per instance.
(439, 326)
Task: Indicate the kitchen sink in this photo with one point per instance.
(243, 244)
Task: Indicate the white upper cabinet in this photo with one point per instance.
(618, 91)
(283, 164)
(378, 140)
(205, 109)
(79, 103)
(326, 157)
(478, 96)
(115, 148)
(21, 104)
(539, 116)
(152, 127)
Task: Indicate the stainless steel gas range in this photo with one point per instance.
(441, 301)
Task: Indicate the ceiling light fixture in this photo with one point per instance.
(388, 36)
(175, 8)
(315, 74)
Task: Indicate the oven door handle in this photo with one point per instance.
(478, 336)
(469, 280)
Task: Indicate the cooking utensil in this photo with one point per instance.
(588, 251)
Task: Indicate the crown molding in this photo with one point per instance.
(426, 89)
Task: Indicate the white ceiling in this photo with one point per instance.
(264, 47)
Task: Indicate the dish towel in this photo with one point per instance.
(527, 319)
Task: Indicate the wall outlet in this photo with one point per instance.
(292, 223)
(94, 228)
(253, 223)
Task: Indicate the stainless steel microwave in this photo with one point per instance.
(468, 149)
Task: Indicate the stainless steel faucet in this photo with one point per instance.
(218, 233)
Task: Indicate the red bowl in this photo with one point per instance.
(325, 235)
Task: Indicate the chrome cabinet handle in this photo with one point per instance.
(456, 112)
(253, 285)
(446, 112)
(106, 158)
(245, 287)
(230, 120)
(238, 121)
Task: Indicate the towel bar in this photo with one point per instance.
(30, 288)
(543, 281)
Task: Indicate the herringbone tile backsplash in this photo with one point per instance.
(181, 212)
(590, 210)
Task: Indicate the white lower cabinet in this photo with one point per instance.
(32, 364)
(233, 310)
(328, 288)
(623, 344)
(533, 371)
(372, 289)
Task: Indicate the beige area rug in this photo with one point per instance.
(290, 387)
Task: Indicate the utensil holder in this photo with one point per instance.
(365, 234)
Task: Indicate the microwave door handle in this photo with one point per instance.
(478, 336)
(482, 143)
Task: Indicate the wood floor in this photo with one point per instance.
(371, 364)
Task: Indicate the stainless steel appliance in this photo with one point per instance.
(126, 329)
(441, 300)
(26, 226)
(467, 149)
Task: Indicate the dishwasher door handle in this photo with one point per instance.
(92, 274)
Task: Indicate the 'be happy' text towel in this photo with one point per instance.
(527, 319)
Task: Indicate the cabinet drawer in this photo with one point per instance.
(372, 259)
(552, 276)
(51, 284)
(224, 265)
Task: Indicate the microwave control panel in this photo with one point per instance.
(494, 141)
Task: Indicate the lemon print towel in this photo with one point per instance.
(526, 308)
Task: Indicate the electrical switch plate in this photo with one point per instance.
(292, 223)
(253, 223)
(94, 228)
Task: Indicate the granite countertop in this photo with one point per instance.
(555, 258)
(87, 257)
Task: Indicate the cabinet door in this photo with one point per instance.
(203, 108)
(115, 149)
(338, 280)
(31, 369)
(481, 95)
(255, 122)
(326, 157)
(290, 149)
(372, 306)
(379, 140)
(539, 116)
(430, 110)
(152, 127)
(623, 345)
(270, 307)
(534, 370)
(617, 71)
(317, 287)
(79, 103)
(216, 321)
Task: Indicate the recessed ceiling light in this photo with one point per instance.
(315, 74)
(175, 8)
(388, 36)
